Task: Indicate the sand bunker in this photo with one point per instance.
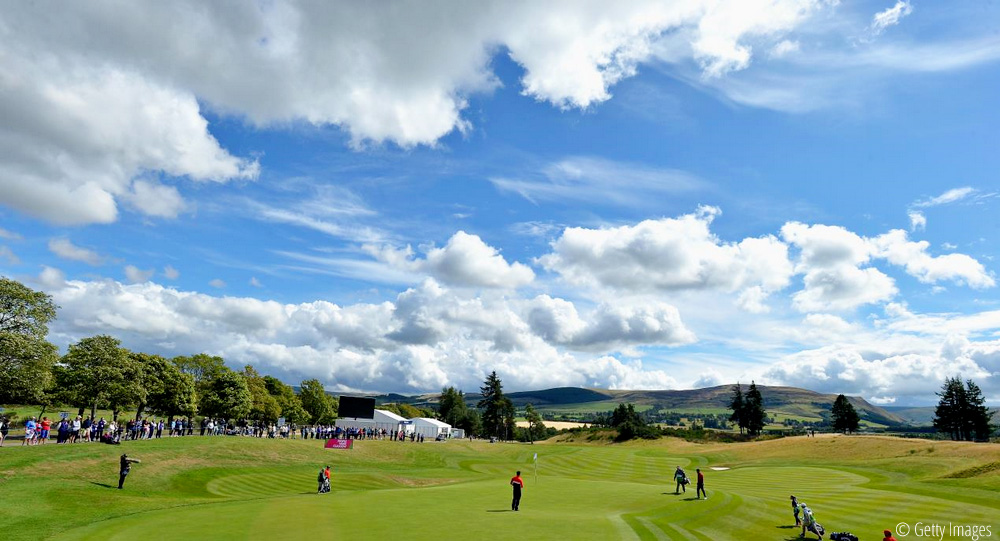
(720, 468)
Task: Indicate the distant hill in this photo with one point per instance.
(921, 416)
(789, 402)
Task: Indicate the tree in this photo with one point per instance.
(99, 372)
(26, 357)
(497, 408)
(226, 396)
(291, 406)
(738, 405)
(169, 391)
(843, 415)
(962, 412)
(756, 416)
(536, 427)
(321, 407)
(263, 406)
(451, 406)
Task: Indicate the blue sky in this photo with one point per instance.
(403, 197)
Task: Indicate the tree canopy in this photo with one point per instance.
(26, 357)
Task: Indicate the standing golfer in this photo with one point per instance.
(126, 465)
(681, 479)
(518, 484)
(701, 485)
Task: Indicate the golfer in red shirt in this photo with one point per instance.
(518, 484)
(888, 536)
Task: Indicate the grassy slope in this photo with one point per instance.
(235, 488)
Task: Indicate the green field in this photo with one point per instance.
(240, 488)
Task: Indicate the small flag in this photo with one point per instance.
(536, 457)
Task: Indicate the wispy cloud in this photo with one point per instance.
(9, 256)
(9, 235)
(599, 181)
(65, 249)
(890, 17)
(950, 196)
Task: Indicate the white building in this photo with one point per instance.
(383, 420)
(430, 428)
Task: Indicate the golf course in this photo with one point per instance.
(248, 488)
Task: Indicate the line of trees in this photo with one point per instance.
(97, 372)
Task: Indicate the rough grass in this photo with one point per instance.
(237, 488)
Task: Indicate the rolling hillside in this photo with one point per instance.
(789, 402)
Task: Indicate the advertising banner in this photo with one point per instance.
(338, 444)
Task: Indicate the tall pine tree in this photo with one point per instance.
(498, 410)
(737, 404)
(756, 416)
(843, 415)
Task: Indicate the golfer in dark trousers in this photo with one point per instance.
(126, 465)
(518, 484)
(701, 485)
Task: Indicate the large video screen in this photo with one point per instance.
(357, 407)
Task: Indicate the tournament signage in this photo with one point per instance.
(63, 414)
(335, 443)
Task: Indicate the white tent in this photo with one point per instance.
(430, 428)
(383, 419)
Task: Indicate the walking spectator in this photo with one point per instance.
(701, 485)
(29, 432)
(4, 429)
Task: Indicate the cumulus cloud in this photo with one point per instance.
(830, 258)
(465, 261)
(171, 273)
(52, 278)
(890, 17)
(895, 247)
(918, 222)
(135, 275)
(608, 327)
(65, 249)
(429, 336)
(155, 199)
(255, 282)
(85, 116)
(671, 254)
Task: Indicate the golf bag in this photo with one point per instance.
(843, 536)
(817, 528)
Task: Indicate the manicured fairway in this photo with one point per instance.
(235, 488)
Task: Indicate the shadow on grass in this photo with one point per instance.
(105, 485)
(690, 499)
(499, 510)
(786, 527)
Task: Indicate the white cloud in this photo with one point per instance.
(918, 222)
(9, 256)
(9, 235)
(465, 261)
(217, 283)
(52, 278)
(255, 282)
(599, 181)
(950, 196)
(558, 322)
(895, 247)
(78, 128)
(155, 199)
(890, 17)
(65, 249)
(171, 273)
(785, 48)
(427, 338)
(671, 254)
(829, 258)
(135, 275)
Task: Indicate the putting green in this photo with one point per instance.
(233, 488)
